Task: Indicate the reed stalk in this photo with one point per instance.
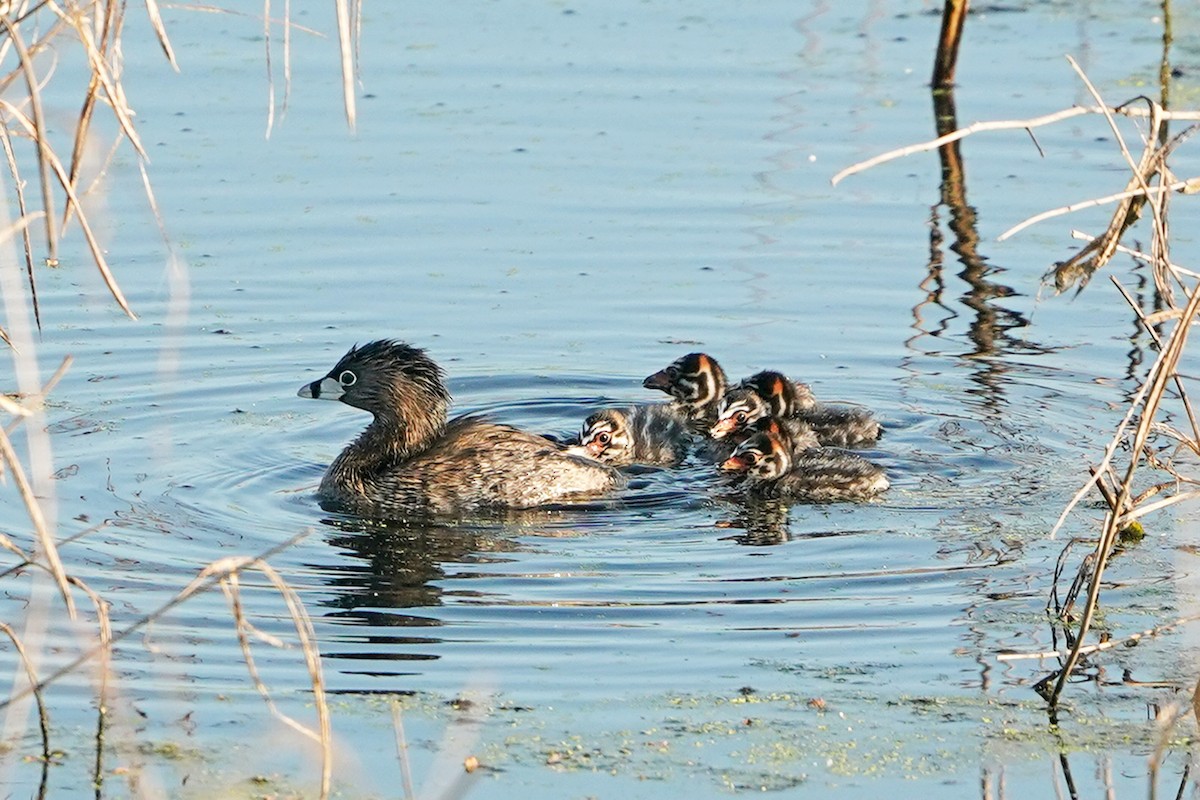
(1149, 185)
(30, 34)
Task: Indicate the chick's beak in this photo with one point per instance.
(735, 464)
(723, 428)
(594, 448)
(658, 380)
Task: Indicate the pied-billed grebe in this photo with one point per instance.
(774, 472)
(695, 383)
(742, 411)
(410, 461)
(836, 426)
(645, 434)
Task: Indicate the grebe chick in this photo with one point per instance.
(742, 411)
(410, 461)
(814, 476)
(835, 426)
(695, 383)
(646, 434)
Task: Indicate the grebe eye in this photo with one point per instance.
(740, 416)
(347, 378)
(603, 437)
(672, 373)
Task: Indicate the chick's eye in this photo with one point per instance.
(603, 438)
(672, 373)
(347, 378)
(740, 416)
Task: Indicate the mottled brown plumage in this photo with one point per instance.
(410, 461)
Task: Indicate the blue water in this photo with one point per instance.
(557, 200)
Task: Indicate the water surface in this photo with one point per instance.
(556, 201)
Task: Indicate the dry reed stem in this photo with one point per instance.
(1124, 506)
(1108, 116)
(402, 751)
(11, 546)
(1149, 328)
(448, 778)
(228, 570)
(44, 43)
(40, 397)
(1190, 183)
(1153, 390)
(160, 31)
(191, 589)
(356, 20)
(34, 510)
(287, 62)
(961, 133)
(347, 47)
(1151, 319)
(23, 212)
(1115, 443)
(348, 38)
(14, 408)
(93, 244)
(1184, 442)
(100, 39)
(27, 560)
(112, 87)
(31, 675)
(89, 104)
(1109, 451)
(1141, 509)
(104, 623)
(1002, 125)
(954, 15)
(22, 412)
(153, 201)
(1130, 209)
(1196, 702)
(1164, 723)
(1099, 647)
(266, 19)
(217, 10)
(287, 54)
(37, 132)
(104, 668)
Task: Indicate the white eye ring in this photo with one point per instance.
(347, 378)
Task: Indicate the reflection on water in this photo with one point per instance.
(762, 522)
(991, 324)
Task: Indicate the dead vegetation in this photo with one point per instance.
(1150, 463)
(34, 40)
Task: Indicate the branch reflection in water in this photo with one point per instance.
(990, 329)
